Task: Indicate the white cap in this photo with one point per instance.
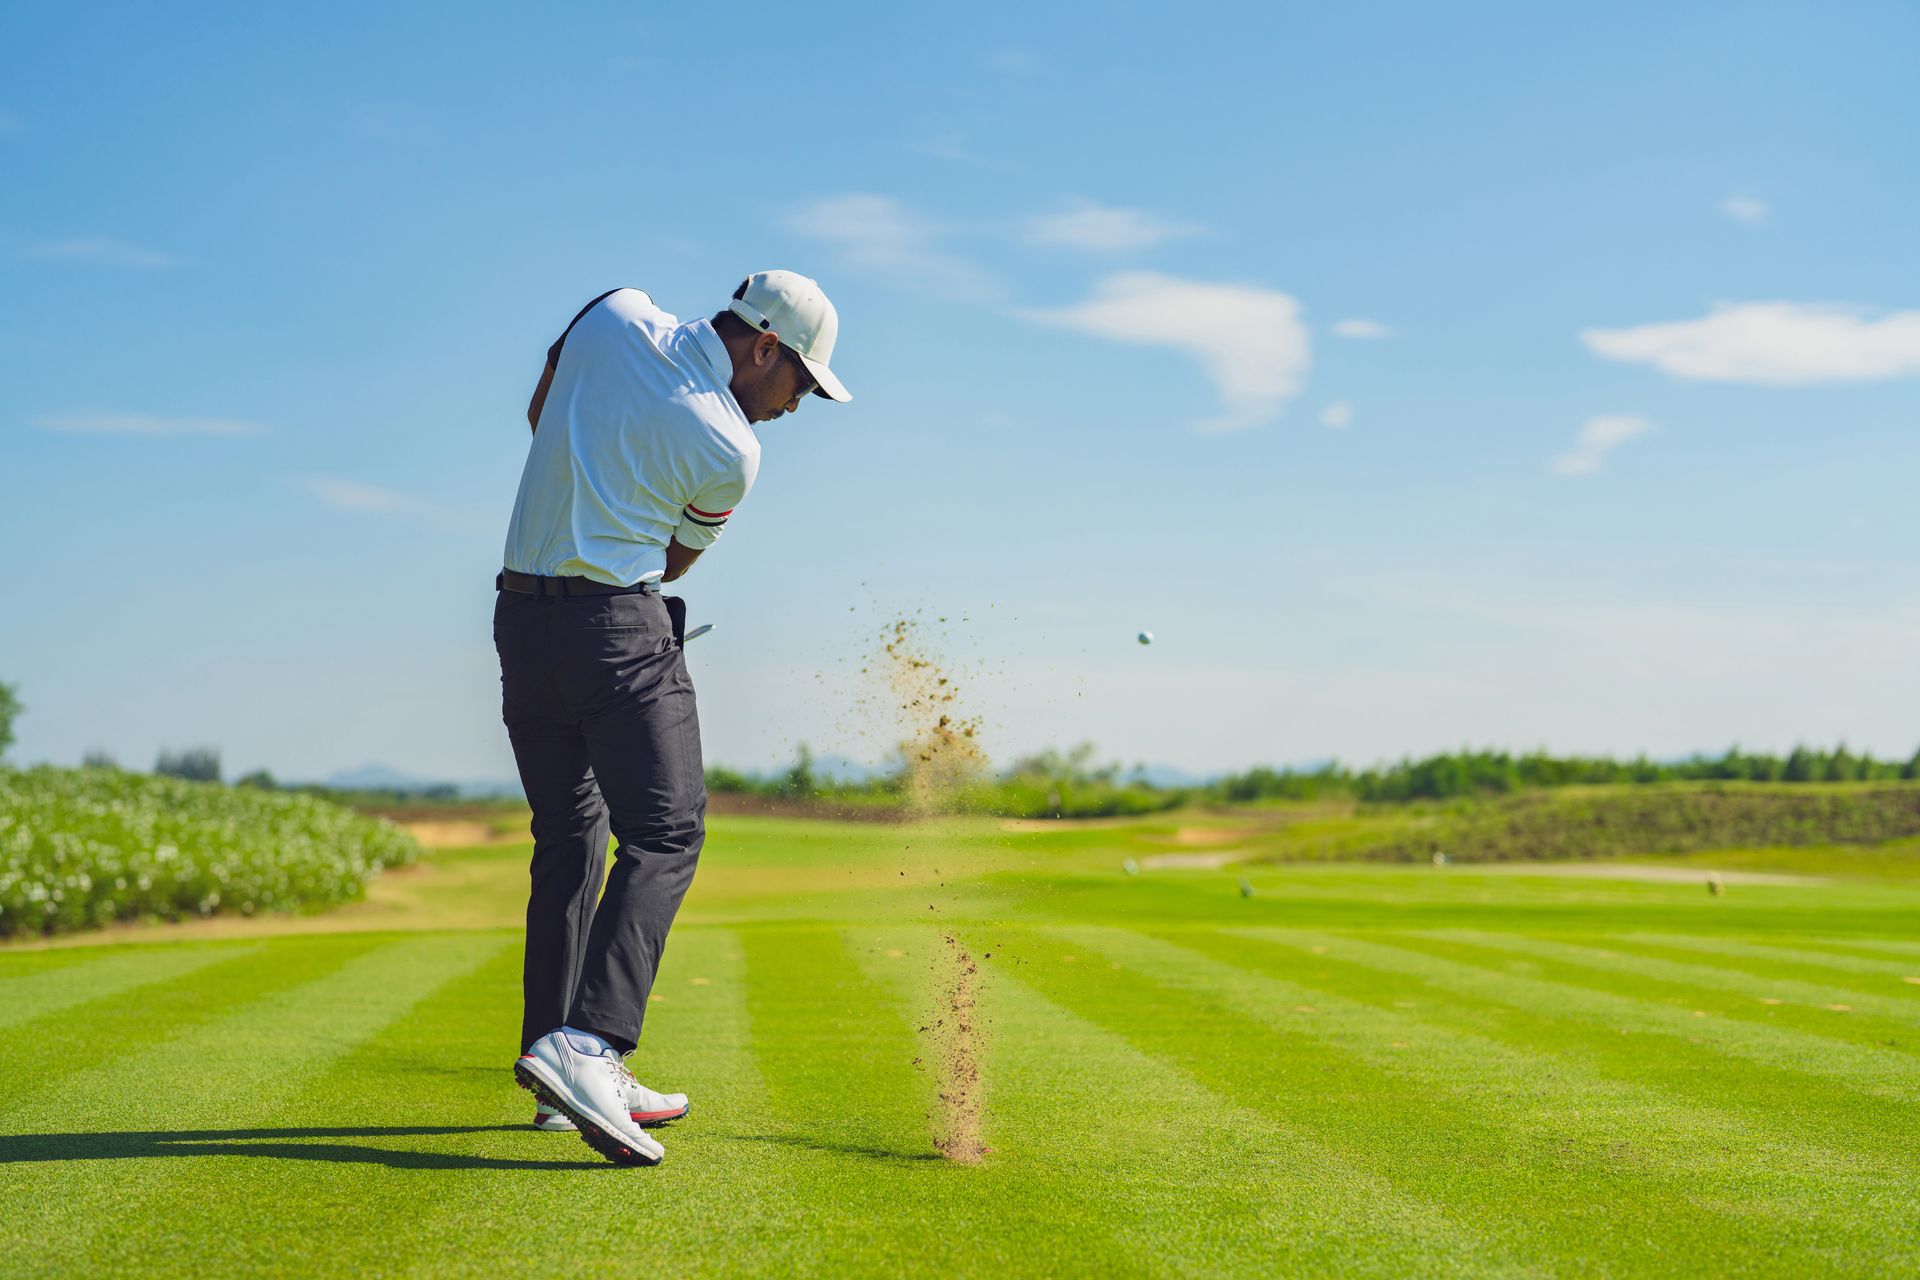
(790, 305)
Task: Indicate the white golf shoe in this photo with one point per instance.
(649, 1110)
(581, 1077)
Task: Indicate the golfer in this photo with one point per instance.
(643, 445)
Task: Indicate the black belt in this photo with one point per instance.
(533, 584)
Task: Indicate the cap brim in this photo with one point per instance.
(830, 388)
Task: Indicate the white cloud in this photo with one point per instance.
(1096, 228)
(1338, 415)
(1250, 340)
(144, 424)
(358, 496)
(1746, 209)
(1359, 328)
(1599, 437)
(1018, 62)
(352, 495)
(104, 251)
(881, 235)
(1772, 344)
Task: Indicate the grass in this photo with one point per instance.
(1361, 1069)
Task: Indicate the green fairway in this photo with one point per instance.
(1357, 1070)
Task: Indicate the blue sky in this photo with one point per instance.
(1420, 376)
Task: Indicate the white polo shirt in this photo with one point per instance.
(640, 440)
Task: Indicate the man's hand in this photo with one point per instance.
(679, 559)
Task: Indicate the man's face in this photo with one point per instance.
(776, 383)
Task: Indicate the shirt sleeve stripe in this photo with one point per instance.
(711, 515)
(711, 524)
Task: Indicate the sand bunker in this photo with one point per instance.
(1201, 861)
(460, 834)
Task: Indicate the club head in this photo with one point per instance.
(697, 632)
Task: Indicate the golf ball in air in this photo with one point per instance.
(1146, 637)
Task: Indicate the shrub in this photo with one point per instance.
(83, 847)
(1683, 818)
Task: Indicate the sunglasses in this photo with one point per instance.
(800, 367)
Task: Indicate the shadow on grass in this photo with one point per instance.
(843, 1148)
(277, 1144)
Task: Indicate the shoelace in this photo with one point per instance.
(641, 1091)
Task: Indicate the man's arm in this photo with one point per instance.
(539, 400)
(679, 559)
(703, 519)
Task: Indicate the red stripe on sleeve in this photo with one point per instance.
(711, 515)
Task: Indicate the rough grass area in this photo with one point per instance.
(1357, 1070)
(84, 847)
(1612, 822)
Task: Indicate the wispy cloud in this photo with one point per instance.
(880, 235)
(1599, 437)
(101, 251)
(1250, 340)
(352, 495)
(1338, 415)
(1013, 62)
(1748, 209)
(1771, 344)
(358, 497)
(1096, 228)
(1361, 329)
(152, 426)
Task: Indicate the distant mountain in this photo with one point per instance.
(1168, 776)
(377, 777)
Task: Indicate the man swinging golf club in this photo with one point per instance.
(642, 447)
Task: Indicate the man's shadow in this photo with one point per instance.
(278, 1144)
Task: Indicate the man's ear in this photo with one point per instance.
(766, 347)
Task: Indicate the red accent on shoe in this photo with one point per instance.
(641, 1117)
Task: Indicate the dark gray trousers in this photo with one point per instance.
(600, 710)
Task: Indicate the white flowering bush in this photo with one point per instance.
(82, 847)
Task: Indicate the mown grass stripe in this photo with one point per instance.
(717, 1202)
(36, 1057)
(1862, 946)
(1876, 1023)
(1689, 1091)
(95, 1147)
(1505, 1137)
(1801, 961)
(1630, 1003)
(96, 975)
(1093, 1138)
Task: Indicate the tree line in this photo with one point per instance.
(1073, 781)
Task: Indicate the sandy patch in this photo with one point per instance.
(1202, 837)
(460, 835)
(1030, 826)
(1192, 861)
